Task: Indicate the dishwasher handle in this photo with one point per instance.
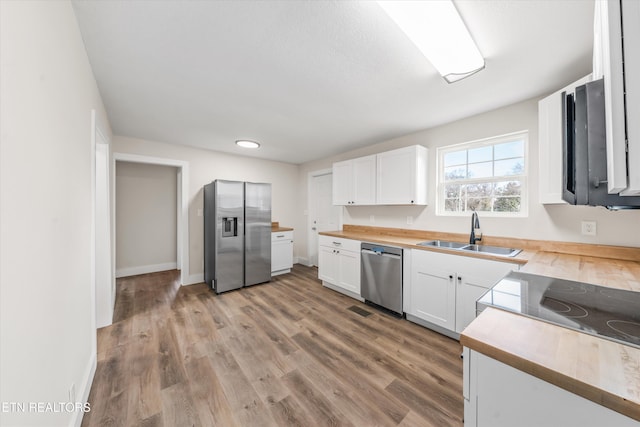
(384, 254)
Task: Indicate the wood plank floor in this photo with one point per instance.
(286, 353)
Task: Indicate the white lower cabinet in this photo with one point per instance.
(497, 395)
(433, 293)
(339, 264)
(281, 252)
(443, 288)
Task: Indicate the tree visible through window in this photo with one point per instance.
(486, 176)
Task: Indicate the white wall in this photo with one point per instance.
(545, 222)
(146, 218)
(206, 166)
(47, 92)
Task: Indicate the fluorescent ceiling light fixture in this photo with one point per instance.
(436, 28)
(245, 143)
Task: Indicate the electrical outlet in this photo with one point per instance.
(372, 219)
(72, 393)
(589, 228)
(409, 220)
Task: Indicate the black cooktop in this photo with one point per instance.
(605, 312)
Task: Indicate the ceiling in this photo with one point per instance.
(310, 79)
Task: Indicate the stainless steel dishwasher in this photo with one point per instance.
(381, 276)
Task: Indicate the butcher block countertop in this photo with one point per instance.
(597, 369)
(600, 370)
(276, 228)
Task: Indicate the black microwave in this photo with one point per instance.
(584, 150)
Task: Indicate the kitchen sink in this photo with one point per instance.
(493, 250)
(443, 244)
(484, 249)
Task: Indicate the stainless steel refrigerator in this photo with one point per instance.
(237, 234)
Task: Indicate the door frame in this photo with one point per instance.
(310, 197)
(182, 229)
(103, 232)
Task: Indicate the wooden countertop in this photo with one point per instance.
(600, 370)
(411, 242)
(275, 228)
(280, 229)
(597, 369)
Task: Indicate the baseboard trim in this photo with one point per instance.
(436, 328)
(342, 291)
(302, 260)
(194, 279)
(87, 381)
(144, 269)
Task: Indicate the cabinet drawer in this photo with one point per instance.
(281, 235)
(339, 243)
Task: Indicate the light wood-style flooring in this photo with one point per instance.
(286, 353)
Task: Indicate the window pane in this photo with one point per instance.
(509, 149)
(455, 172)
(481, 170)
(455, 158)
(509, 167)
(484, 189)
(479, 204)
(508, 188)
(482, 154)
(452, 205)
(507, 204)
(452, 191)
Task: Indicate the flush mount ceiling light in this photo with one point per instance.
(245, 143)
(436, 28)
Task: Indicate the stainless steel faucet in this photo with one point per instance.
(475, 228)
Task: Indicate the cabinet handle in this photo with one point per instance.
(280, 235)
(337, 243)
(451, 276)
(459, 279)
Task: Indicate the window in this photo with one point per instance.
(489, 176)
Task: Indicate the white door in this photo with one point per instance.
(323, 215)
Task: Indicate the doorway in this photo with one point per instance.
(146, 218)
(323, 215)
(182, 225)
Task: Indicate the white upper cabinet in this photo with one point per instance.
(343, 182)
(550, 144)
(354, 181)
(397, 177)
(615, 21)
(402, 176)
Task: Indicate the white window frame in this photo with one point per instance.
(523, 178)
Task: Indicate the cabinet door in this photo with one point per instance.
(281, 255)
(349, 271)
(364, 180)
(402, 176)
(476, 276)
(505, 397)
(467, 296)
(433, 294)
(327, 265)
(343, 183)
